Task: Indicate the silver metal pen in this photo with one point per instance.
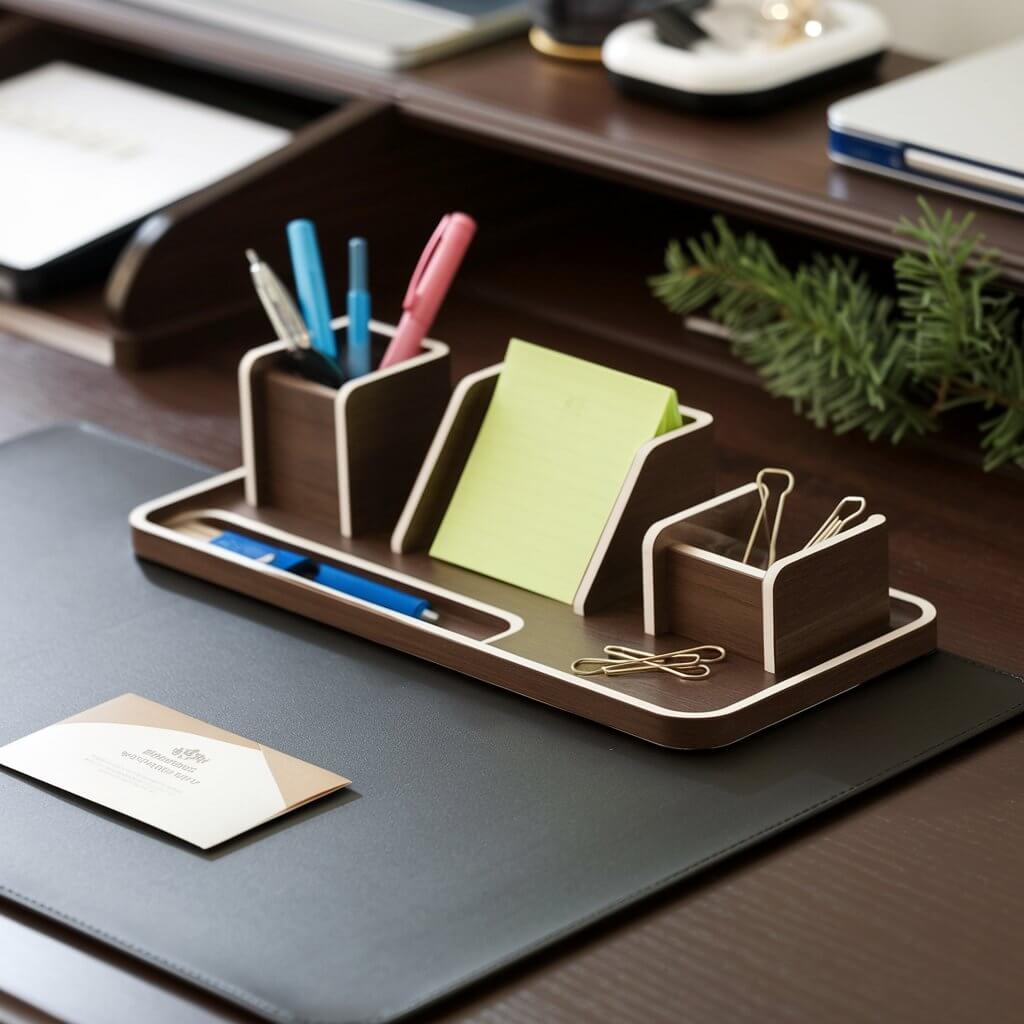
(289, 326)
(280, 309)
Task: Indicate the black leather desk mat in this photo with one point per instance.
(479, 827)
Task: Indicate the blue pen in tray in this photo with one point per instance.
(308, 568)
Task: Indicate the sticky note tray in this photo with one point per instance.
(343, 478)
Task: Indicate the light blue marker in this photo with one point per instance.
(311, 286)
(357, 355)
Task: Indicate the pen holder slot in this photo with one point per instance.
(670, 471)
(343, 457)
(810, 605)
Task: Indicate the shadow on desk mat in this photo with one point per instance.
(486, 826)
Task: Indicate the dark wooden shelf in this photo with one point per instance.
(773, 169)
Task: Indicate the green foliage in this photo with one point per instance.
(850, 358)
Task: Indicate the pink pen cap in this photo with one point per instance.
(433, 276)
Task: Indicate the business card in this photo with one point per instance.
(177, 773)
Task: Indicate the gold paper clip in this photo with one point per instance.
(691, 663)
(764, 492)
(625, 660)
(837, 522)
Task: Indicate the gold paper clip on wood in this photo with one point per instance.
(690, 663)
(842, 515)
(764, 492)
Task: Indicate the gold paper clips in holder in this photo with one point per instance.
(764, 493)
(842, 515)
(691, 663)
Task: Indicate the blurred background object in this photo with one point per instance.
(735, 56)
(936, 31)
(377, 33)
(575, 29)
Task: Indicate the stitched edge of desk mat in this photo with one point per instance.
(271, 1011)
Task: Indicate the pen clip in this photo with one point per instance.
(425, 257)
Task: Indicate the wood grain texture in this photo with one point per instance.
(296, 459)
(714, 603)
(389, 420)
(715, 525)
(914, 886)
(830, 599)
(810, 606)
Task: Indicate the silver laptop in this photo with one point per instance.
(377, 33)
(956, 127)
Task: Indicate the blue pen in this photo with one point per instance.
(311, 286)
(327, 575)
(358, 308)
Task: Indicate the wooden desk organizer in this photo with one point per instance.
(663, 576)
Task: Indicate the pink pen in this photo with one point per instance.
(430, 282)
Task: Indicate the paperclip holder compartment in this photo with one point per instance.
(810, 605)
(343, 457)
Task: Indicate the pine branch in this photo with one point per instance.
(820, 336)
(964, 332)
(850, 358)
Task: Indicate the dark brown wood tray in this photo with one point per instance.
(824, 619)
(512, 638)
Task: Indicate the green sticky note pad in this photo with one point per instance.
(540, 483)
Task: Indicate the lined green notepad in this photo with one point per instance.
(547, 466)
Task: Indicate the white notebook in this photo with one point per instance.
(376, 33)
(85, 155)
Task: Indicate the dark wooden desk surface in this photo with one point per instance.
(906, 905)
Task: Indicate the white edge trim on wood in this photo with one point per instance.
(246, 368)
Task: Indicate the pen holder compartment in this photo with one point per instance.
(671, 471)
(347, 457)
(810, 605)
